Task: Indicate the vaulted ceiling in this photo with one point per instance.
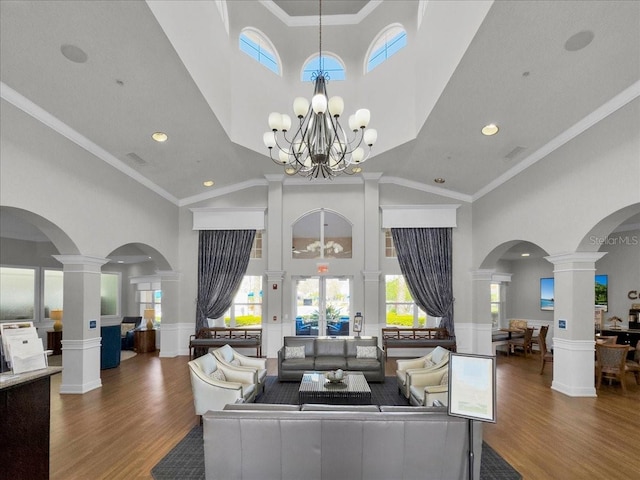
(176, 67)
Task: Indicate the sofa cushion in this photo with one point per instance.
(353, 343)
(438, 354)
(298, 364)
(366, 352)
(308, 343)
(329, 347)
(362, 364)
(294, 352)
(218, 375)
(330, 363)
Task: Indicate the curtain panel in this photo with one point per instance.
(223, 257)
(425, 258)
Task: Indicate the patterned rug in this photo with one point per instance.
(186, 460)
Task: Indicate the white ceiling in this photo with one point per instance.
(156, 66)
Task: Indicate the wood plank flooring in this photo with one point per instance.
(145, 407)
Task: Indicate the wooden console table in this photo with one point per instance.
(144, 341)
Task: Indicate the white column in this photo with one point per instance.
(275, 328)
(475, 337)
(81, 323)
(171, 339)
(374, 320)
(573, 341)
(275, 325)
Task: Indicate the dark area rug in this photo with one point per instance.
(186, 460)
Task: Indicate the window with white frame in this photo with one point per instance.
(246, 309)
(149, 296)
(401, 310)
(256, 248)
(18, 298)
(389, 247)
(389, 42)
(497, 304)
(257, 46)
(331, 65)
(110, 294)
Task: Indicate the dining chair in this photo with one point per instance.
(524, 342)
(545, 355)
(607, 339)
(633, 366)
(610, 363)
(543, 332)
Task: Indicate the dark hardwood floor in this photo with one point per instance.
(145, 407)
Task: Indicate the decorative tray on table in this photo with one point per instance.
(336, 377)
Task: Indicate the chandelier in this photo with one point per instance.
(320, 147)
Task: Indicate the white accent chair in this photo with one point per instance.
(213, 394)
(229, 357)
(438, 358)
(428, 386)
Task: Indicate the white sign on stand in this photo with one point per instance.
(23, 349)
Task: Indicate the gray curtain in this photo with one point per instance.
(425, 258)
(223, 256)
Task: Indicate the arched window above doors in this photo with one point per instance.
(321, 234)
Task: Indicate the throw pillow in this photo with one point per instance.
(218, 375)
(428, 363)
(366, 352)
(294, 352)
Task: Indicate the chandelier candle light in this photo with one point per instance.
(320, 147)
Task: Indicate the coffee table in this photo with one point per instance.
(353, 390)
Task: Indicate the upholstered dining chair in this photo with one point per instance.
(633, 366)
(437, 358)
(543, 332)
(230, 357)
(607, 339)
(524, 343)
(610, 363)
(545, 355)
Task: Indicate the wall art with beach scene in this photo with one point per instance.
(601, 293)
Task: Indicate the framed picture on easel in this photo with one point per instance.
(472, 387)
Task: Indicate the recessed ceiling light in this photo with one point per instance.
(160, 137)
(208, 183)
(579, 41)
(525, 254)
(73, 53)
(490, 129)
(438, 180)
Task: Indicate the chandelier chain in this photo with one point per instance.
(320, 60)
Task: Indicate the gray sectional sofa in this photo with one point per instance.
(316, 442)
(330, 353)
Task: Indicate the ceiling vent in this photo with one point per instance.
(514, 153)
(136, 159)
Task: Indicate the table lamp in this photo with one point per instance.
(56, 315)
(149, 316)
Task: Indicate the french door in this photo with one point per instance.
(323, 306)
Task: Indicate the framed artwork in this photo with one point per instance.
(546, 293)
(601, 293)
(357, 322)
(472, 387)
